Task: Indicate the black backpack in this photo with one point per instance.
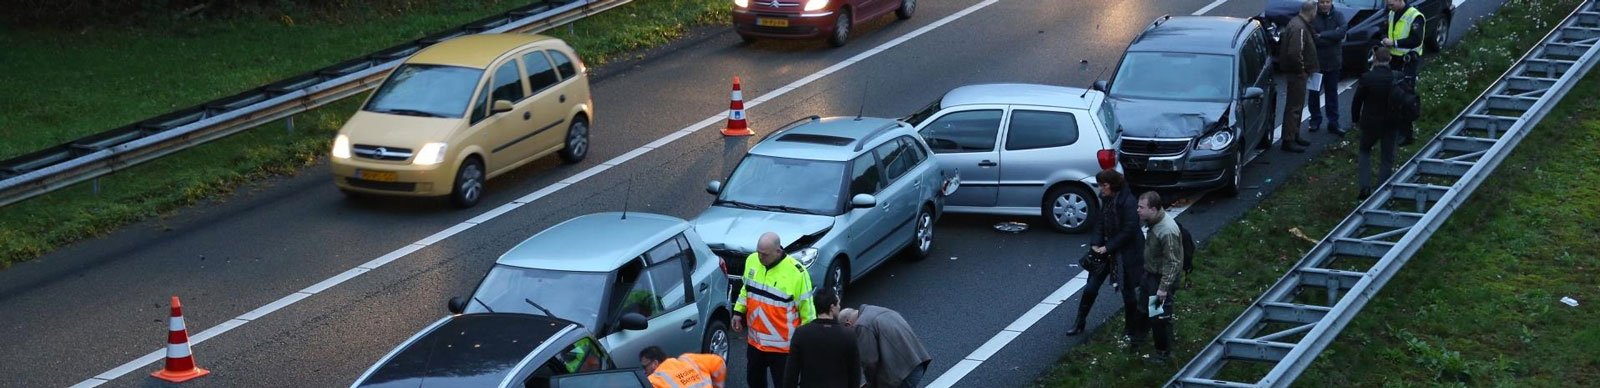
(1403, 97)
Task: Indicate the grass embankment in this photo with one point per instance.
(1478, 305)
(65, 85)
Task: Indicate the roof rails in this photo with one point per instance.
(791, 125)
(875, 133)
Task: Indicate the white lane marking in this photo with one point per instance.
(1456, 3)
(1208, 7)
(534, 196)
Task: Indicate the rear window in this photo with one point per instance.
(1031, 129)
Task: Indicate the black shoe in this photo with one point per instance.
(1160, 358)
(1316, 125)
(1076, 330)
(1337, 131)
(1303, 142)
(1291, 147)
(1362, 196)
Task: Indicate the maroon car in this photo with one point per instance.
(810, 19)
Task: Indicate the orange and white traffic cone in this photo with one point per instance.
(180, 361)
(736, 122)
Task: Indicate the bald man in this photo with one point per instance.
(775, 300)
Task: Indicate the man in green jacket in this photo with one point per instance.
(1163, 250)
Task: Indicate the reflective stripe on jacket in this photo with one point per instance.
(1401, 29)
(775, 301)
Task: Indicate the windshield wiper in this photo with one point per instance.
(792, 209)
(541, 308)
(743, 205)
(485, 305)
(410, 112)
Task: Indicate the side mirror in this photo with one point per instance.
(634, 321)
(714, 188)
(1101, 85)
(1252, 93)
(457, 305)
(863, 201)
(500, 106)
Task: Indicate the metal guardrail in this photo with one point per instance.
(1285, 328)
(100, 154)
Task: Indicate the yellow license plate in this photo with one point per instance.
(380, 176)
(769, 22)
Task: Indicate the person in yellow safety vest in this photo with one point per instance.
(688, 370)
(1405, 40)
(776, 299)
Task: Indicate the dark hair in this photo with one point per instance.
(1111, 178)
(825, 299)
(1381, 54)
(653, 353)
(1151, 200)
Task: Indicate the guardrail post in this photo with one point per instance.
(289, 123)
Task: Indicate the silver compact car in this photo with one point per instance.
(844, 194)
(633, 279)
(1023, 149)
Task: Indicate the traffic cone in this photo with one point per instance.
(736, 123)
(180, 361)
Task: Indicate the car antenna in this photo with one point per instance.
(863, 108)
(626, 197)
(1084, 65)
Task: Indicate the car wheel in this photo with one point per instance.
(907, 7)
(841, 29)
(1069, 208)
(716, 341)
(1235, 175)
(468, 188)
(922, 239)
(1441, 35)
(577, 143)
(352, 194)
(747, 38)
(835, 279)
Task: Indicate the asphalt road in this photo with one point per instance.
(93, 306)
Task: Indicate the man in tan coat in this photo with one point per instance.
(1297, 56)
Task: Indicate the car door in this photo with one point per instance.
(499, 130)
(862, 229)
(964, 141)
(660, 294)
(897, 201)
(1041, 144)
(1252, 73)
(545, 116)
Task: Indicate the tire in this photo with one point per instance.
(576, 146)
(746, 38)
(468, 187)
(1235, 175)
(836, 279)
(717, 339)
(922, 236)
(352, 194)
(841, 29)
(907, 7)
(1441, 35)
(1069, 208)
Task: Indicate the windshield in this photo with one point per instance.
(569, 295)
(1174, 76)
(426, 90)
(798, 185)
(1360, 4)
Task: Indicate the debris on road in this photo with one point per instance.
(1569, 301)
(1011, 227)
(1302, 235)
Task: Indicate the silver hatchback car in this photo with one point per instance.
(634, 279)
(843, 194)
(1023, 149)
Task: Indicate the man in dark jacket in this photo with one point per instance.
(823, 353)
(1330, 26)
(1372, 109)
(1117, 238)
(1298, 51)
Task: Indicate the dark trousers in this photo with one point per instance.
(914, 379)
(1407, 65)
(1293, 103)
(759, 364)
(1134, 321)
(1385, 138)
(1161, 325)
(1330, 92)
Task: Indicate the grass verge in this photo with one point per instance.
(143, 73)
(1478, 305)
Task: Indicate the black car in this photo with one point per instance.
(1193, 94)
(500, 350)
(1366, 19)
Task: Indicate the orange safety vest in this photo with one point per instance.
(710, 364)
(681, 373)
(775, 302)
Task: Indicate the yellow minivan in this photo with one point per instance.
(464, 110)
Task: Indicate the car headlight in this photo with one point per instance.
(1216, 141)
(813, 5)
(741, 3)
(431, 153)
(341, 147)
(805, 256)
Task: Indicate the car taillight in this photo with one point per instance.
(1108, 159)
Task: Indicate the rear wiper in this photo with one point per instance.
(410, 112)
